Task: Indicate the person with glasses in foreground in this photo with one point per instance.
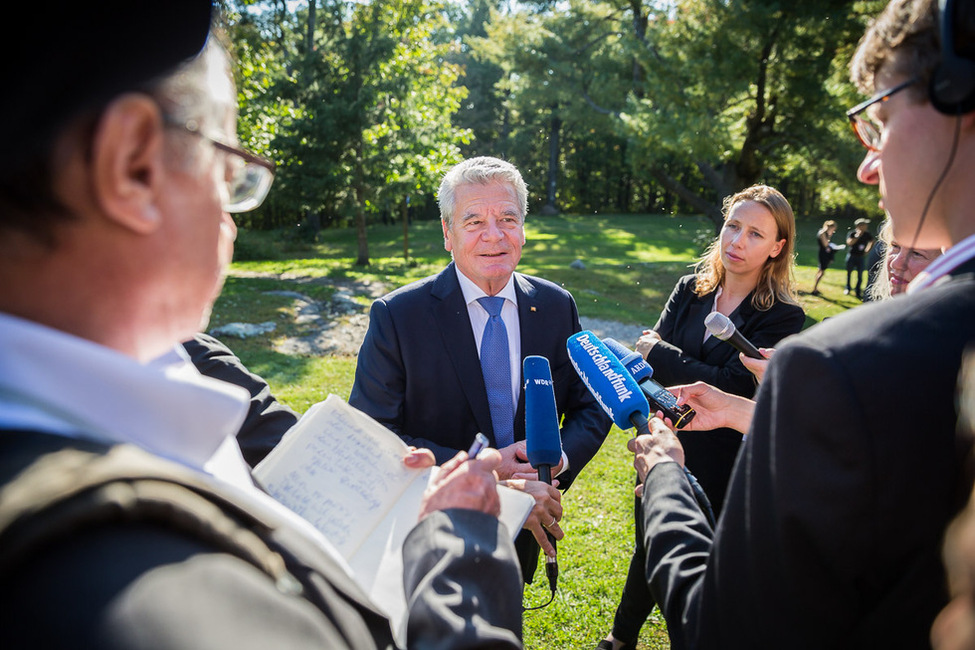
(128, 517)
(852, 468)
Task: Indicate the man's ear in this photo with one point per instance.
(127, 162)
(447, 244)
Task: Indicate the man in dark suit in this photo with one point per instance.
(267, 419)
(128, 518)
(853, 466)
(419, 370)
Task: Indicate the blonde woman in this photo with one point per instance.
(747, 275)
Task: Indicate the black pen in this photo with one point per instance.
(480, 442)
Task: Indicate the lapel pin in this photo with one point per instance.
(532, 309)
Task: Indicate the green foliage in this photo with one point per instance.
(644, 105)
(358, 117)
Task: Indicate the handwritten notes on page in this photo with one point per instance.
(340, 470)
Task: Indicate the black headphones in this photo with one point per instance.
(952, 87)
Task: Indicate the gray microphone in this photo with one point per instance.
(721, 327)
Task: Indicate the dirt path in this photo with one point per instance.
(337, 326)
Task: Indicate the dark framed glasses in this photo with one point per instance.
(248, 178)
(868, 132)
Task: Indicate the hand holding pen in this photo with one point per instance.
(466, 482)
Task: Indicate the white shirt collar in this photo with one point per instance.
(472, 292)
(53, 381)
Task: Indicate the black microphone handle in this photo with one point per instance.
(551, 563)
(545, 473)
(641, 423)
(744, 345)
(545, 476)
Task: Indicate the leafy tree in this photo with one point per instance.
(361, 97)
(737, 90)
(705, 96)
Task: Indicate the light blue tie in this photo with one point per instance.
(496, 367)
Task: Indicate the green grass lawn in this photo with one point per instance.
(632, 263)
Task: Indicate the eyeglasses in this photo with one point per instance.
(248, 179)
(867, 131)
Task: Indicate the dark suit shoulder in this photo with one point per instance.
(909, 322)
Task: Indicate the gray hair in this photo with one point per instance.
(482, 170)
(201, 93)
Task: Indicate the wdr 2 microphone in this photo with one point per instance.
(659, 397)
(721, 327)
(609, 382)
(542, 440)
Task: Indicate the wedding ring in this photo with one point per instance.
(549, 524)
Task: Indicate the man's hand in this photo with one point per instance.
(714, 407)
(661, 446)
(646, 342)
(463, 483)
(547, 512)
(514, 462)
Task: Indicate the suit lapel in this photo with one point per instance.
(454, 324)
(694, 343)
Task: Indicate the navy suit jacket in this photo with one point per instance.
(419, 374)
(831, 533)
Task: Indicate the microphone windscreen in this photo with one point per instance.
(609, 382)
(543, 442)
(631, 360)
(719, 325)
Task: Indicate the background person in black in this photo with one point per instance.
(827, 250)
(858, 243)
(746, 274)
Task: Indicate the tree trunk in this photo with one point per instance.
(555, 129)
(709, 210)
(405, 211)
(360, 213)
(310, 36)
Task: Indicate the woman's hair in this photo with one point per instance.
(829, 223)
(775, 281)
(881, 289)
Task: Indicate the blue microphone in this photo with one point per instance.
(659, 397)
(632, 361)
(543, 442)
(542, 439)
(609, 381)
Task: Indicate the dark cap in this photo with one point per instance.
(63, 58)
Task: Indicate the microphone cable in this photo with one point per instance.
(941, 178)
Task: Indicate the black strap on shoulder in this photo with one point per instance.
(54, 486)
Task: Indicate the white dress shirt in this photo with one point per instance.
(53, 382)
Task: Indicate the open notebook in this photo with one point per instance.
(343, 472)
